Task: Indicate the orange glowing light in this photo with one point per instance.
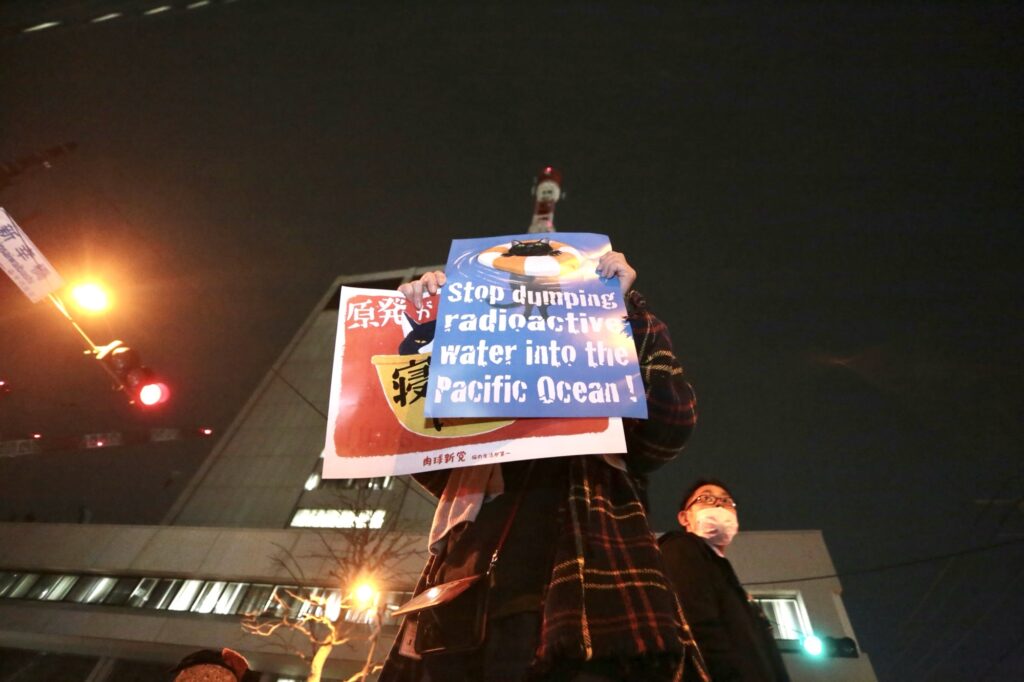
(365, 594)
(90, 297)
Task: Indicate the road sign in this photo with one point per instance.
(24, 263)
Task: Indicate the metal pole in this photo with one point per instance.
(63, 310)
(93, 349)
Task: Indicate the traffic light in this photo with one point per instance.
(140, 384)
(833, 647)
(841, 647)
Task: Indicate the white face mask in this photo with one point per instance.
(716, 525)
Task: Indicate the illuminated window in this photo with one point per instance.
(230, 598)
(378, 483)
(140, 595)
(186, 595)
(208, 597)
(51, 587)
(163, 594)
(17, 585)
(338, 518)
(41, 27)
(292, 604)
(257, 599)
(787, 615)
(332, 597)
(6, 580)
(91, 589)
(121, 592)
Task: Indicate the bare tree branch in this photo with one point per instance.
(327, 617)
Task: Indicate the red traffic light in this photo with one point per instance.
(140, 383)
(154, 393)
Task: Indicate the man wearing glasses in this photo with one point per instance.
(731, 631)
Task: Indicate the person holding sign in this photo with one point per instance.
(578, 592)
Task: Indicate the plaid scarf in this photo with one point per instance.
(608, 596)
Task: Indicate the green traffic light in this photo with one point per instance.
(813, 645)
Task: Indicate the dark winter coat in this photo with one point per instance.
(732, 632)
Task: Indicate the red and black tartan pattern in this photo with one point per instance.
(608, 596)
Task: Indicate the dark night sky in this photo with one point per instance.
(822, 200)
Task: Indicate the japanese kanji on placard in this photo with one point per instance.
(376, 424)
(24, 262)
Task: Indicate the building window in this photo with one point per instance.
(51, 587)
(196, 596)
(338, 518)
(258, 599)
(6, 580)
(378, 483)
(16, 585)
(786, 613)
(91, 589)
(163, 594)
(296, 604)
(331, 597)
(208, 597)
(20, 585)
(186, 595)
(141, 593)
(122, 592)
(230, 597)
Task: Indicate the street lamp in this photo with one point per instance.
(90, 298)
(365, 595)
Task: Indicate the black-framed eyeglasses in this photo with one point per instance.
(713, 501)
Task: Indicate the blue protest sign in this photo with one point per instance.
(526, 328)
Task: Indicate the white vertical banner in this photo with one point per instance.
(24, 263)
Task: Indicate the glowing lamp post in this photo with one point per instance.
(90, 297)
(366, 598)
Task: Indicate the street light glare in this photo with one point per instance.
(365, 595)
(90, 297)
